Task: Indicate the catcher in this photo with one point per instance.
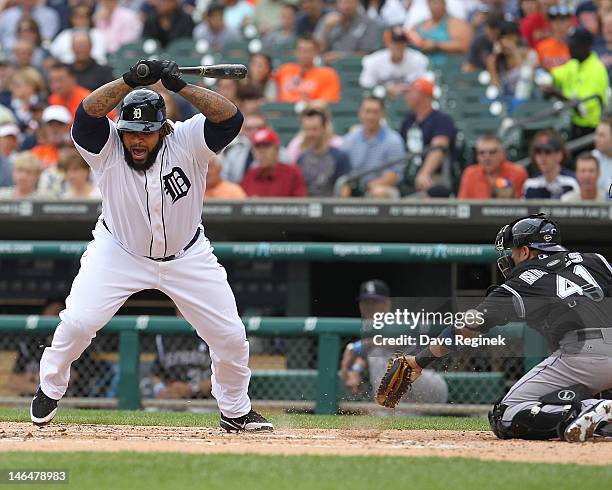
(566, 297)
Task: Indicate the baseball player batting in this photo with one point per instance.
(152, 175)
(564, 295)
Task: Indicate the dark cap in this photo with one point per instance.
(508, 28)
(213, 7)
(373, 289)
(547, 142)
(580, 35)
(398, 35)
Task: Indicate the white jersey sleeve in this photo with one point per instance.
(110, 155)
(189, 134)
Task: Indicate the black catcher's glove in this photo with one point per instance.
(171, 76)
(140, 76)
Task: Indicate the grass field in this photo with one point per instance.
(178, 471)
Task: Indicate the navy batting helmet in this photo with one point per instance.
(535, 231)
(142, 110)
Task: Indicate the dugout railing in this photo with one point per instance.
(328, 332)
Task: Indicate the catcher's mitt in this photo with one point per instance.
(396, 381)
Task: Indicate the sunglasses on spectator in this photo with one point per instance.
(545, 151)
(487, 152)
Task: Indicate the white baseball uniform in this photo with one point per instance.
(146, 216)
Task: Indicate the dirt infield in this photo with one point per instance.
(471, 444)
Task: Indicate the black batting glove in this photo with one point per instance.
(135, 77)
(171, 77)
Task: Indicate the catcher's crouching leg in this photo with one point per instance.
(544, 419)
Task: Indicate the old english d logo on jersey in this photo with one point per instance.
(176, 184)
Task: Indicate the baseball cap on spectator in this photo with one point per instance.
(373, 289)
(265, 136)
(422, 85)
(57, 113)
(9, 130)
(559, 11)
(547, 142)
(509, 28)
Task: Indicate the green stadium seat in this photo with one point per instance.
(180, 48)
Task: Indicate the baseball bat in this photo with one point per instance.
(231, 71)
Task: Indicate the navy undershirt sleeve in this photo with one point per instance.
(219, 135)
(90, 132)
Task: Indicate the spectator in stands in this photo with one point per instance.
(303, 81)
(511, 65)
(269, 177)
(26, 170)
(418, 11)
(27, 86)
(385, 12)
(64, 88)
(347, 31)
(374, 298)
(167, 22)
(493, 176)
(586, 14)
(120, 25)
(28, 31)
(78, 177)
(228, 88)
(9, 142)
(603, 46)
(393, 66)
(441, 34)
(260, 76)
(237, 156)
(482, 45)
(6, 72)
(268, 15)
(216, 186)
(554, 51)
(81, 18)
(536, 26)
(587, 175)
(237, 13)
(429, 133)
(284, 34)
(548, 152)
(54, 135)
(321, 164)
(603, 153)
(46, 18)
(371, 144)
(87, 72)
(582, 76)
(527, 7)
(23, 54)
(309, 15)
(213, 28)
(298, 143)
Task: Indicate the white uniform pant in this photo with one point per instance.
(197, 284)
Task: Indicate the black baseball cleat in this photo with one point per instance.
(251, 422)
(42, 409)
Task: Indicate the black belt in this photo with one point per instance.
(174, 256)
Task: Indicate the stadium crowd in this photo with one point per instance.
(54, 53)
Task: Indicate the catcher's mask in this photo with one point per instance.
(535, 231)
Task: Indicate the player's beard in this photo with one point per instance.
(149, 161)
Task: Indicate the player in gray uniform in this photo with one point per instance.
(152, 176)
(567, 297)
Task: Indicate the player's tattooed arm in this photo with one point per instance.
(214, 106)
(105, 98)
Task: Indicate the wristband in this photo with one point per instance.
(359, 368)
(425, 357)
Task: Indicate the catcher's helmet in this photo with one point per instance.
(142, 110)
(535, 231)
